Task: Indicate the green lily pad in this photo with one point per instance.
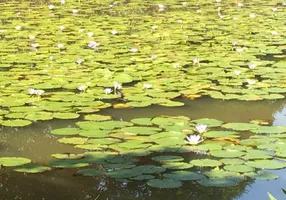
(15, 123)
(239, 168)
(167, 158)
(164, 183)
(73, 140)
(66, 115)
(262, 175)
(32, 168)
(184, 176)
(65, 131)
(13, 161)
(208, 122)
(142, 121)
(266, 164)
(227, 153)
(91, 172)
(206, 163)
(217, 182)
(221, 134)
(66, 163)
(241, 126)
(95, 117)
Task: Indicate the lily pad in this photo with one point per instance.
(13, 161)
(164, 183)
(32, 168)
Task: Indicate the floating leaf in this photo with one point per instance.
(167, 158)
(184, 175)
(164, 183)
(206, 163)
(13, 161)
(32, 168)
(91, 172)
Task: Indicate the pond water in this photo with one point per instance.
(98, 98)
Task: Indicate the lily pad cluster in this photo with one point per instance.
(225, 157)
(78, 56)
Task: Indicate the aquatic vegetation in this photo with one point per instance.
(194, 139)
(201, 128)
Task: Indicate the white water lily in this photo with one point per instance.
(239, 50)
(82, 87)
(147, 85)
(93, 44)
(239, 4)
(196, 61)
(114, 32)
(32, 37)
(154, 56)
(154, 27)
(250, 81)
(274, 32)
(161, 7)
(184, 3)
(35, 45)
(62, 28)
(18, 28)
(107, 90)
(194, 139)
(81, 30)
(274, 9)
(62, 1)
(32, 91)
(117, 86)
(90, 34)
(237, 72)
(79, 61)
(251, 66)
(201, 128)
(234, 43)
(251, 15)
(199, 11)
(60, 46)
(133, 50)
(51, 7)
(39, 92)
(218, 1)
(74, 11)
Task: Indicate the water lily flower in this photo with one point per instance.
(161, 7)
(82, 87)
(107, 90)
(239, 4)
(234, 18)
(154, 27)
(18, 28)
(176, 65)
(199, 11)
(62, 28)
(62, 1)
(237, 72)
(18, 13)
(32, 37)
(239, 50)
(147, 85)
(180, 21)
(80, 30)
(51, 57)
(250, 81)
(218, 1)
(51, 7)
(154, 56)
(31, 91)
(93, 44)
(196, 61)
(114, 32)
(133, 50)
(117, 86)
(251, 15)
(79, 61)
(234, 43)
(251, 66)
(274, 9)
(90, 34)
(39, 92)
(60, 46)
(74, 11)
(184, 3)
(35, 45)
(194, 139)
(201, 128)
(274, 32)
